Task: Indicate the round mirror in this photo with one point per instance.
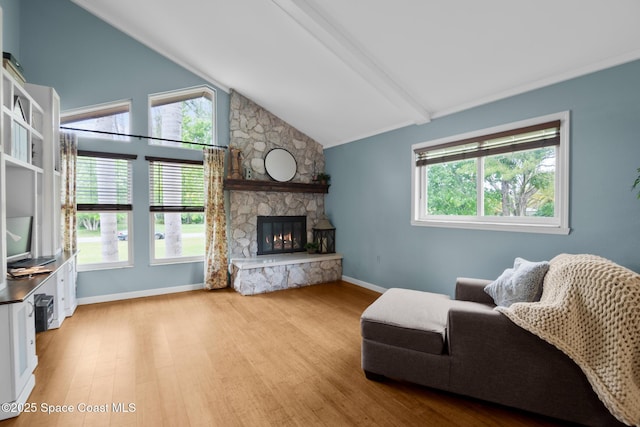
(280, 164)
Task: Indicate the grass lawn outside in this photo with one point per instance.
(90, 248)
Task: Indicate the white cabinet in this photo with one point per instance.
(24, 344)
(62, 286)
(18, 330)
(18, 357)
(71, 277)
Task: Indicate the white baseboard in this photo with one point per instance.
(139, 294)
(364, 284)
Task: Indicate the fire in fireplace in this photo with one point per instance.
(281, 234)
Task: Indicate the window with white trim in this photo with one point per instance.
(186, 115)
(511, 178)
(176, 208)
(104, 120)
(103, 196)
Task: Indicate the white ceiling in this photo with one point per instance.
(340, 70)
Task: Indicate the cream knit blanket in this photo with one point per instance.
(590, 309)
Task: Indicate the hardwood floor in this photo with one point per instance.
(288, 358)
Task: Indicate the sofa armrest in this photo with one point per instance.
(468, 289)
(494, 359)
(491, 354)
(471, 326)
(489, 351)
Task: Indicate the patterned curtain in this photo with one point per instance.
(215, 258)
(68, 156)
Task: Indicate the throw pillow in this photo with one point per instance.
(522, 283)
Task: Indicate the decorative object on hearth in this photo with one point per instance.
(280, 165)
(311, 247)
(324, 234)
(323, 178)
(235, 164)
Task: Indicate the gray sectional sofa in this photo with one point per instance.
(466, 347)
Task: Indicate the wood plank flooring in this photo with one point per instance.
(217, 358)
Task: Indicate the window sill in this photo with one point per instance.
(97, 267)
(493, 226)
(168, 261)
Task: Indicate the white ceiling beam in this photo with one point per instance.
(328, 32)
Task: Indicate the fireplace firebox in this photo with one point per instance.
(281, 234)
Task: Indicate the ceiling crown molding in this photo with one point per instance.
(328, 32)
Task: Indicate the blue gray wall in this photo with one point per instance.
(370, 197)
(89, 62)
(11, 26)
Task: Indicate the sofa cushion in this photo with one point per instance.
(522, 283)
(410, 319)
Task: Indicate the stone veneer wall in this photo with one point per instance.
(255, 131)
(268, 279)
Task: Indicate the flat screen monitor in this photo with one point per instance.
(18, 238)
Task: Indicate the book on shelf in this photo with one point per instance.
(20, 143)
(18, 108)
(17, 273)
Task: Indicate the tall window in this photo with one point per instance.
(103, 193)
(176, 205)
(512, 177)
(183, 116)
(107, 119)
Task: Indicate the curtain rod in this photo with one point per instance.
(224, 147)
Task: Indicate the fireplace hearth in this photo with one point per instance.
(281, 234)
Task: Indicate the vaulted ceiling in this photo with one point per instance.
(341, 70)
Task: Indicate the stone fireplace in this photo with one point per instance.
(247, 206)
(255, 131)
